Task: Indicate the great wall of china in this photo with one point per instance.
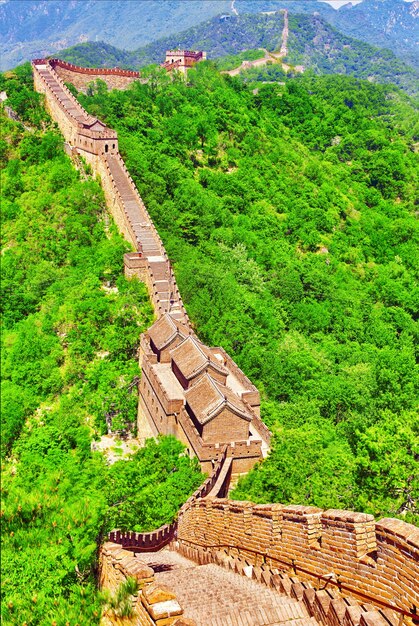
(227, 562)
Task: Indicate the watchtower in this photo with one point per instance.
(181, 60)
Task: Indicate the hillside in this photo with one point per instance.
(34, 28)
(289, 216)
(70, 333)
(312, 42)
(391, 24)
(316, 45)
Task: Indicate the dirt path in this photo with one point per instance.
(233, 8)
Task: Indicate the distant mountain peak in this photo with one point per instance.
(33, 28)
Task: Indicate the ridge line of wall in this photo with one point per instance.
(378, 556)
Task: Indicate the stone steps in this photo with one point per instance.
(148, 243)
(213, 596)
(56, 88)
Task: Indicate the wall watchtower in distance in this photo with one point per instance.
(181, 60)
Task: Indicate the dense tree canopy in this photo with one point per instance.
(71, 326)
(289, 213)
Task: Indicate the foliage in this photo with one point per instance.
(120, 603)
(229, 62)
(21, 97)
(312, 42)
(289, 216)
(71, 326)
(148, 491)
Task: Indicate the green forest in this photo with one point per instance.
(289, 214)
(70, 332)
(288, 211)
(312, 42)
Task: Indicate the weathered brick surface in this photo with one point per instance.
(324, 547)
(155, 604)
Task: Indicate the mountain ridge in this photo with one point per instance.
(33, 28)
(312, 43)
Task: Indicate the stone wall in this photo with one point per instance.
(168, 418)
(374, 561)
(153, 605)
(81, 77)
(66, 125)
(113, 199)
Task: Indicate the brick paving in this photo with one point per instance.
(213, 596)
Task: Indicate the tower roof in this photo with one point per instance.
(164, 331)
(191, 357)
(208, 397)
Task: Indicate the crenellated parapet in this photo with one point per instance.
(346, 567)
(82, 77)
(92, 71)
(347, 553)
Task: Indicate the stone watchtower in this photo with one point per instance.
(181, 60)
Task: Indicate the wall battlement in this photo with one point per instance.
(373, 561)
(93, 71)
(82, 77)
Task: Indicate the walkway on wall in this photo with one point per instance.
(140, 222)
(136, 220)
(164, 292)
(69, 103)
(213, 596)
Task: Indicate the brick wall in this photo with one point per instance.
(150, 604)
(65, 123)
(375, 561)
(80, 77)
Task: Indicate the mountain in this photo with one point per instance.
(315, 44)
(312, 43)
(33, 28)
(389, 24)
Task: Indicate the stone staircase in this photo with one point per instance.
(67, 101)
(165, 293)
(213, 596)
